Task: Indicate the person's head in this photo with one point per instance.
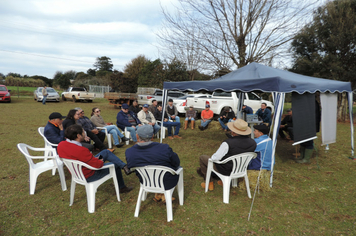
(244, 106)
(144, 133)
(191, 108)
(56, 118)
(81, 112)
(135, 103)
(159, 107)
(263, 106)
(239, 127)
(226, 109)
(75, 132)
(170, 102)
(95, 111)
(207, 107)
(145, 107)
(154, 102)
(260, 130)
(73, 115)
(125, 108)
(289, 111)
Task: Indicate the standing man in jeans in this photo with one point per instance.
(45, 94)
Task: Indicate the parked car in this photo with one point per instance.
(180, 102)
(52, 94)
(78, 94)
(5, 95)
(147, 98)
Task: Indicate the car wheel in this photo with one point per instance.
(63, 98)
(89, 100)
(74, 99)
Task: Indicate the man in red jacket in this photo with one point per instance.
(72, 149)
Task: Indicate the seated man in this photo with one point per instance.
(72, 149)
(239, 142)
(207, 116)
(153, 107)
(287, 125)
(147, 152)
(263, 149)
(53, 131)
(172, 111)
(134, 107)
(226, 116)
(147, 118)
(247, 109)
(167, 123)
(127, 119)
(265, 114)
(92, 132)
(190, 115)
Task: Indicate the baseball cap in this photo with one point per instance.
(207, 106)
(146, 106)
(125, 106)
(56, 115)
(145, 131)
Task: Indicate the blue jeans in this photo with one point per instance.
(109, 156)
(176, 119)
(190, 118)
(156, 128)
(132, 133)
(222, 122)
(115, 132)
(169, 126)
(204, 124)
(44, 99)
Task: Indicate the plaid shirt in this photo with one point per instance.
(86, 123)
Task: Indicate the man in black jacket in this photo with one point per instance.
(287, 125)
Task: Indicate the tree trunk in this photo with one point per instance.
(342, 108)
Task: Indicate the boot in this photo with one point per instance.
(307, 155)
(185, 124)
(302, 150)
(192, 124)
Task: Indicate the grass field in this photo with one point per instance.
(314, 199)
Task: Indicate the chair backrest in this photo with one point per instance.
(76, 170)
(48, 144)
(152, 176)
(240, 162)
(23, 148)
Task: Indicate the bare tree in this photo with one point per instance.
(215, 34)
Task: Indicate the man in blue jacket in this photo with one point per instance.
(127, 119)
(265, 114)
(53, 131)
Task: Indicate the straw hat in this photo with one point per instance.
(239, 127)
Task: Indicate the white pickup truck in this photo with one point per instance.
(77, 94)
(219, 100)
(157, 95)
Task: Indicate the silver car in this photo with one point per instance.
(52, 94)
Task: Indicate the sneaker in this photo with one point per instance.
(176, 136)
(120, 145)
(170, 137)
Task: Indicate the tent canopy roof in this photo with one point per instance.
(257, 77)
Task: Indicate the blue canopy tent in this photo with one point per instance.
(257, 77)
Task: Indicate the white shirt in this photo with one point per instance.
(74, 142)
(221, 152)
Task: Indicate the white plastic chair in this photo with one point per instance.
(75, 168)
(108, 135)
(35, 169)
(239, 170)
(127, 135)
(51, 151)
(163, 131)
(152, 178)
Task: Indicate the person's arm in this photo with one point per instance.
(211, 115)
(153, 119)
(221, 152)
(175, 110)
(142, 117)
(53, 137)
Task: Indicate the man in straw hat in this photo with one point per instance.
(239, 142)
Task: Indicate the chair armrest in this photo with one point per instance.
(180, 169)
(103, 128)
(93, 168)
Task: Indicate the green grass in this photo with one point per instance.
(304, 200)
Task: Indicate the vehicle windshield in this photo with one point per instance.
(2, 88)
(51, 90)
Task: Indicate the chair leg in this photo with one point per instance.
(33, 181)
(90, 197)
(127, 135)
(226, 187)
(247, 186)
(72, 192)
(138, 204)
(168, 196)
(109, 140)
(62, 176)
(116, 184)
(180, 188)
(208, 174)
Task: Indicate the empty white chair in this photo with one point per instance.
(35, 169)
(75, 168)
(51, 151)
(108, 135)
(239, 170)
(152, 181)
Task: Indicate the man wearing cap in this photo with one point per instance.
(72, 149)
(53, 131)
(190, 115)
(207, 116)
(239, 142)
(265, 114)
(153, 107)
(134, 107)
(127, 119)
(146, 152)
(226, 116)
(172, 111)
(147, 118)
(167, 123)
(263, 149)
(287, 125)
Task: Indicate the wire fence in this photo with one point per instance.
(99, 90)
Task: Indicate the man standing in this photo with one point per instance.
(147, 118)
(263, 149)
(72, 149)
(147, 152)
(44, 94)
(134, 107)
(53, 131)
(153, 107)
(127, 119)
(265, 114)
(239, 142)
(226, 116)
(206, 117)
(172, 111)
(287, 125)
(92, 132)
(167, 123)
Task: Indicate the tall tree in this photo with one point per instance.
(175, 70)
(327, 46)
(232, 33)
(103, 64)
(152, 75)
(133, 69)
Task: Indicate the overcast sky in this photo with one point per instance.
(40, 37)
